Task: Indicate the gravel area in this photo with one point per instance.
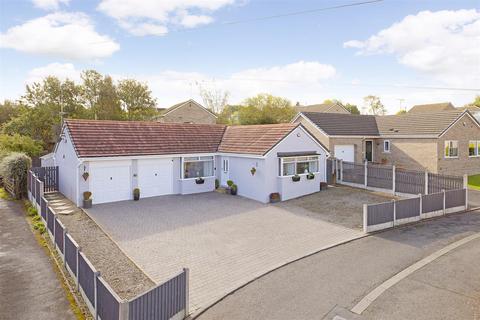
(124, 276)
(339, 204)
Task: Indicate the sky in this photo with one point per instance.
(405, 52)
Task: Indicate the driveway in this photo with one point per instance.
(226, 241)
(473, 198)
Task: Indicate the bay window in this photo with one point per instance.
(290, 166)
(196, 167)
(474, 148)
(451, 149)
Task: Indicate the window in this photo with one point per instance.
(386, 146)
(225, 165)
(195, 167)
(298, 165)
(451, 149)
(474, 148)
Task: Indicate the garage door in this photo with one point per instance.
(345, 152)
(155, 177)
(110, 183)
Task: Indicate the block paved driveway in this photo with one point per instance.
(226, 241)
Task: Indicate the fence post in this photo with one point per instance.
(95, 279)
(187, 291)
(366, 174)
(341, 169)
(365, 217)
(421, 204)
(465, 186)
(426, 182)
(76, 275)
(64, 255)
(394, 173)
(394, 212)
(444, 200)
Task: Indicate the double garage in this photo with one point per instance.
(111, 181)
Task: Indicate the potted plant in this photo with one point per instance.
(296, 178)
(233, 190)
(323, 186)
(229, 185)
(199, 180)
(136, 194)
(87, 199)
(274, 197)
(217, 184)
(253, 170)
(310, 176)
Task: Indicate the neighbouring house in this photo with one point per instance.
(474, 110)
(111, 158)
(188, 111)
(445, 142)
(432, 107)
(47, 160)
(323, 107)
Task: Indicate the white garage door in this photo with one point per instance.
(110, 182)
(155, 177)
(345, 152)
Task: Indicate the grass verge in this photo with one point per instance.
(474, 182)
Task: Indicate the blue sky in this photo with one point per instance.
(177, 46)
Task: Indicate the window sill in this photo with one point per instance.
(474, 156)
(300, 174)
(186, 179)
(451, 157)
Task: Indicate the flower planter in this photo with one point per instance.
(136, 194)
(274, 197)
(323, 186)
(296, 178)
(199, 181)
(233, 190)
(87, 204)
(310, 176)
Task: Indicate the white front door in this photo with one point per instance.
(155, 177)
(110, 182)
(224, 176)
(345, 152)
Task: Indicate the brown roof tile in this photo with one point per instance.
(432, 107)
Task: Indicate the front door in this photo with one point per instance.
(224, 176)
(369, 150)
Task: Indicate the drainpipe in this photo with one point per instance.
(77, 181)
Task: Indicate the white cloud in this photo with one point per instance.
(49, 4)
(66, 35)
(442, 44)
(60, 70)
(135, 15)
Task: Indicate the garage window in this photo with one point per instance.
(195, 167)
(298, 165)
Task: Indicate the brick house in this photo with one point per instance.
(445, 142)
(432, 107)
(188, 111)
(323, 107)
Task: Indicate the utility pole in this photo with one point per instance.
(401, 101)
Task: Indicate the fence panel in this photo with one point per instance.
(71, 253)
(439, 182)
(454, 198)
(380, 213)
(50, 220)
(432, 202)
(353, 173)
(43, 208)
(412, 182)
(380, 176)
(329, 171)
(108, 305)
(59, 228)
(407, 208)
(162, 302)
(86, 278)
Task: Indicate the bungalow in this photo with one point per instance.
(446, 142)
(188, 111)
(111, 158)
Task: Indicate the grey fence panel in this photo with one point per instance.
(380, 177)
(353, 173)
(86, 278)
(108, 307)
(37, 191)
(50, 220)
(43, 208)
(380, 213)
(432, 202)
(162, 302)
(49, 176)
(33, 187)
(412, 182)
(407, 208)
(329, 171)
(71, 253)
(454, 198)
(59, 234)
(439, 182)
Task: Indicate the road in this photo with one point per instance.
(330, 283)
(29, 286)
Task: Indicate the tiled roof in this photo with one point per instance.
(183, 103)
(98, 138)
(254, 139)
(323, 107)
(344, 124)
(433, 107)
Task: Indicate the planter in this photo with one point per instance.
(274, 197)
(296, 178)
(233, 190)
(310, 176)
(87, 204)
(136, 194)
(199, 181)
(323, 186)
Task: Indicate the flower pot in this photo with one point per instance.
(200, 181)
(87, 203)
(136, 194)
(323, 186)
(296, 178)
(274, 197)
(310, 176)
(233, 190)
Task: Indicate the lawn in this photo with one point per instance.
(474, 182)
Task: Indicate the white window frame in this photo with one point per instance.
(295, 160)
(196, 159)
(476, 146)
(450, 143)
(387, 142)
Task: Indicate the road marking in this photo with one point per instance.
(375, 293)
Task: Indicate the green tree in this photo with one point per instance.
(18, 143)
(229, 115)
(8, 110)
(403, 111)
(136, 99)
(265, 109)
(374, 105)
(352, 108)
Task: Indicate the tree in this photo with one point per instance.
(265, 109)
(18, 143)
(402, 111)
(136, 99)
(352, 108)
(374, 105)
(229, 115)
(475, 103)
(15, 167)
(213, 98)
(8, 110)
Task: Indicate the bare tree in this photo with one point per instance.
(214, 99)
(374, 106)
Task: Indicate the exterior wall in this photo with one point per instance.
(324, 139)
(358, 144)
(337, 109)
(67, 162)
(289, 189)
(249, 186)
(189, 186)
(47, 160)
(463, 131)
(189, 113)
(414, 154)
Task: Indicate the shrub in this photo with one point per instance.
(31, 211)
(15, 167)
(229, 183)
(217, 184)
(19, 143)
